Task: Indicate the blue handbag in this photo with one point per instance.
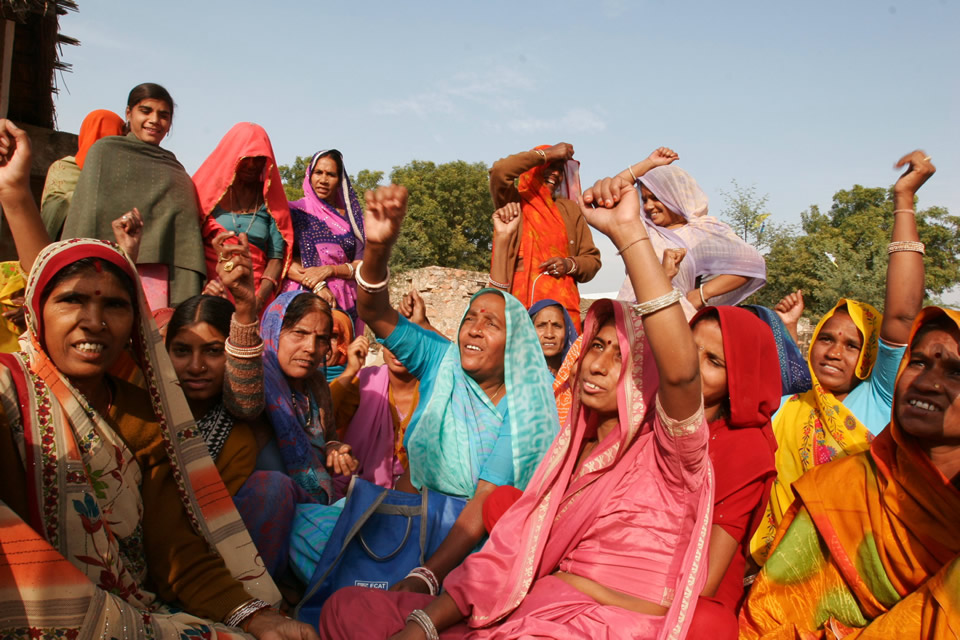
(381, 535)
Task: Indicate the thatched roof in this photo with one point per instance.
(37, 45)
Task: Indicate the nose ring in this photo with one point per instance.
(936, 386)
(103, 323)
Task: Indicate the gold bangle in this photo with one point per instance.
(632, 243)
(632, 174)
(543, 156)
(906, 245)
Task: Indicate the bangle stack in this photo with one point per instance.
(907, 245)
(244, 353)
(371, 288)
(320, 286)
(239, 616)
(539, 152)
(420, 617)
(427, 576)
(572, 270)
(644, 309)
(498, 285)
(353, 271)
(910, 211)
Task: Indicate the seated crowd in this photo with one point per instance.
(188, 418)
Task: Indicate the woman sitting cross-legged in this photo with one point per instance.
(113, 518)
(608, 539)
(869, 548)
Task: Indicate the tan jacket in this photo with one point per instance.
(580, 245)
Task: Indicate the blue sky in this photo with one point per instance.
(799, 99)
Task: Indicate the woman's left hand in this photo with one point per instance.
(340, 459)
(556, 267)
(312, 276)
(128, 232)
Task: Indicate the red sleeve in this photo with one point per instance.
(734, 512)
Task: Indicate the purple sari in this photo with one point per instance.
(324, 237)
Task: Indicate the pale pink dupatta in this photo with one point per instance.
(561, 502)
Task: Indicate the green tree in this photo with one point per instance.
(448, 219)
(843, 253)
(746, 213)
(292, 176)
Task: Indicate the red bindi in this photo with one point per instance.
(96, 292)
(482, 309)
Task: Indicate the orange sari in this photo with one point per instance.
(544, 237)
(869, 548)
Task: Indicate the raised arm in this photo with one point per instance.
(505, 171)
(905, 287)
(618, 217)
(660, 157)
(386, 208)
(506, 228)
(19, 208)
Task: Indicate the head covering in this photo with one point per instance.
(98, 124)
(343, 330)
(563, 498)
(12, 283)
(324, 237)
(66, 438)
(794, 370)
(299, 437)
(814, 427)
(569, 329)
(742, 444)
(713, 248)
(459, 423)
(879, 529)
(219, 171)
(544, 236)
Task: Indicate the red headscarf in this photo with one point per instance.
(98, 124)
(217, 173)
(742, 444)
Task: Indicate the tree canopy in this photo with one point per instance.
(843, 252)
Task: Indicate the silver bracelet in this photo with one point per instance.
(499, 285)
(428, 576)
(644, 309)
(907, 245)
(703, 299)
(320, 286)
(353, 270)
(371, 288)
(236, 617)
(420, 617)
(244, 353)
(572, 269)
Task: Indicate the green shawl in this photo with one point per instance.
(120, 173)
(58, 190)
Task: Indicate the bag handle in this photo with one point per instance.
(366, 547)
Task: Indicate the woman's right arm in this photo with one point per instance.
(617, 215)
(506, 225)
(660, 157)
(386, 208)
(19, 208)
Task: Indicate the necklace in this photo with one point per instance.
(244, 211)
(494, 399)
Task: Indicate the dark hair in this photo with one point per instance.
(943, 323)
(300, 306)
(150, 91)
(87, 264)
(337, 158)
(213, 310)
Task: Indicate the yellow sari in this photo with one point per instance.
(815, 427)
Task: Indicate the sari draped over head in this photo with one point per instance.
(300, 438)
(563, 499)
(460, 425)
(218, 172)
(742, 444)
(569, 329)
(794, 370)
(814, 427)
(122, 172)
(713, 248)
(544, 237)
(79, 564)
(324, 237)
(869, 548)
(63, 174)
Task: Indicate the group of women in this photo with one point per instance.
(632, 481)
